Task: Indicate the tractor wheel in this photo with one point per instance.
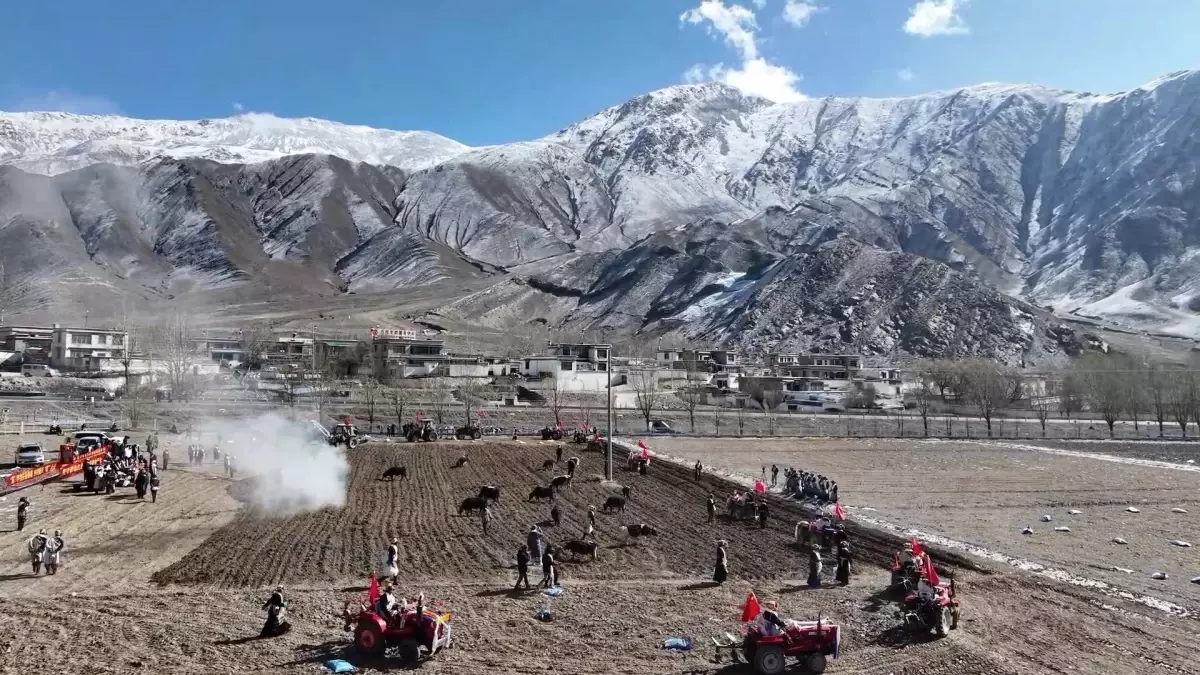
(943, 622)
(369, 640)
(458, 437)
(412, 437)
(769, 660)
(433, 436)
(410, 652)
(749, 647)
(477, 434)
(815, 663)
(954, 618)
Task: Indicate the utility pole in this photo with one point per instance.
(608, 465)
(314, 348)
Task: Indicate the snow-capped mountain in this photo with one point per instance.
(946, 221)
(52, 143)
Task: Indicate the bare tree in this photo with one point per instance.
(440, 395)
(646, 393)
(1041, 409)
(178, 350)
(718, 413)
(862, 397)
(471, 393)
(1181, 398)
(924, 395)
(740, 411)
(945, 375)
(1136, 391)
(771, 401)
(1157, 385)
(987, 387)
(399, 397)
(692, 396)
(1105, 386)
(1070, 394)
(371, 396)
(1016, 384)
(132, 330)
(257, 340)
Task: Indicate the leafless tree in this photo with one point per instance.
(1137, 390)
(1157, 383)
(945, 375)
(440, 396)
(924, 395)
(399, 397)
(771, 401)
(1181, 397)
(740, 411)
(1106, 386)
(257, 338)
(692, 396)
(986, 386)
(1070, 392)
(1016, 384)
(471, 393)
(371, 396)
(174, 338)
(717, 414)
(133, 331)
(1041, 409)
(646, 393)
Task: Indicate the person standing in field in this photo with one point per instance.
(154, 482)
(522, 567)
(712, 507)
(22, 512)
(485, 517)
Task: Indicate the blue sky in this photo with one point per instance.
(491, 71)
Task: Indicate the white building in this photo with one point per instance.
(574, 367)
(87, 348)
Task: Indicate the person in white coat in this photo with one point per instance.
(52, 554)
(391, 561)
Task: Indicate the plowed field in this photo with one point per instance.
(436, 541)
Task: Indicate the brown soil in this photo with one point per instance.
(102, 614)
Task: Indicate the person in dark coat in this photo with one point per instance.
(556, 515)
(814, 567)
(844, 556)
(22, 512)
(762, 515)
(699, 470)
(711, 506)
(166, 457)
(154, 483)
(522, 567)
(142, 483)
(721, 573)
(558, 454)
(534, 541)
(774, 475)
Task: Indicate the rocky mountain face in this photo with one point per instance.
(942, 223)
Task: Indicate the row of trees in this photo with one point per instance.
(1112, 386)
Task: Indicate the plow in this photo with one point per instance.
(415, 632)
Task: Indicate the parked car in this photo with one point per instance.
(30, 454)
(36, 370)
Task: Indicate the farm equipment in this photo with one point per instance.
(579, 437)
(809, 644)
(552, 434)
(415, 631)
(904, 576)
(934, 609)
(470, 431)
(346, 434)
(420, 431)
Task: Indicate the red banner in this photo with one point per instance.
(35, 474)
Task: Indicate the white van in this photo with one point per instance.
(38, 370)
(97, 392)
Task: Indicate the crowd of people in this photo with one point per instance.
(800, 484)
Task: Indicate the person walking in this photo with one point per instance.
(711, 506)
(556, 515)
(22, 512)
(166, 457)
(774, 475)
(844, 556)
(721, 572)
(558, 454)
(699, 469)
(534, 541)
(228, 472)
(814, 567)
(154, 481)
(522, 567)
(485, 517)
(762, 515)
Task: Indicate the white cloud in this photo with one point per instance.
(67, 101)
(799, 13)
(905, 74)
(760, 3)
(238, 106)
(754, 75)
(936, 17)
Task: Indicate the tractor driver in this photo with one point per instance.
(769, 619)
(926, 591)
(386, 605)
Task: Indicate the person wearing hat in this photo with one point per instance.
(522, 567)
(814, 567)
(533, 541)
(391, 560)
(844, 556)
(711, 507)
(769, 619)
(37, 548)
(22, 512)
(721, 573)
(274, 607)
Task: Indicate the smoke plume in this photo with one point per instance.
(293, 471)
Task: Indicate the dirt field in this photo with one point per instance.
(133, 600)
(983, 494)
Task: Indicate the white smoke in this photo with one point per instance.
(293, 470)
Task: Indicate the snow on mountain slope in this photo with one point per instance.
(52, 142)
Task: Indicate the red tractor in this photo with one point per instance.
(414, 635)
(809, 643)
(931, 608)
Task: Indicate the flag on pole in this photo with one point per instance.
(420, 415)
(931, 573)
(917, 550)
(373, 591)
(596, 436)
(759, 486)
(642, 444)
(750, 610)
(837, 511)
(347, 420)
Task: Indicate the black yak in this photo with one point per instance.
(547, 465)
(489, 492)
(577, 547)
(614, 504)
(541, 492)
(639, 530)
(471, 504)
(400, 471)
(559, 482)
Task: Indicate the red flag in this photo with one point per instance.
(560, 426)
(642, 444)
(930, 573)
(481, 413)
(596, 436)
(420, 415)
(917, 550)
(837, 511)
(348, 420)
(759, 486)
(750, 610)
(373, 591)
